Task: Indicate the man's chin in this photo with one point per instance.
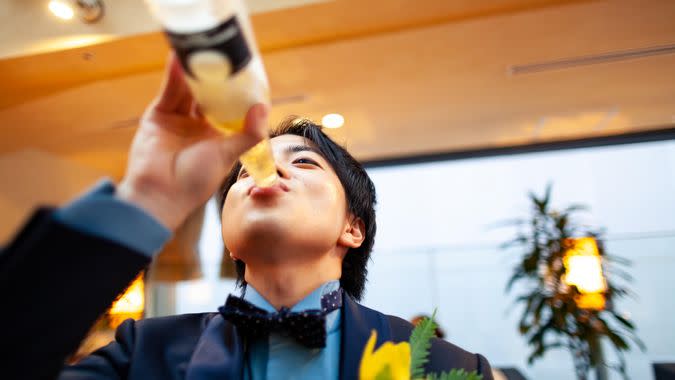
(262, 227)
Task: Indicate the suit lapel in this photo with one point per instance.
(219, 353)
(357, 324)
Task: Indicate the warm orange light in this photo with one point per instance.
(61, 9)
(583, 269)
(591, 301)
(130, 305)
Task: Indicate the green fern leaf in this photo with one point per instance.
(456, 374)
(420, 342)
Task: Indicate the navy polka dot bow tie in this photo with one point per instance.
(308, 327)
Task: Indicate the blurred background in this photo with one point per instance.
(457, 108)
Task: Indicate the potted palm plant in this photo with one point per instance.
(569, 286)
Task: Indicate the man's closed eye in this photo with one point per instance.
(306, 161)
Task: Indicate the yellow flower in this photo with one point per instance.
(395, 357)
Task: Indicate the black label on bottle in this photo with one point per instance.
(227, 39)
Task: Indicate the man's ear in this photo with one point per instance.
(353, 234)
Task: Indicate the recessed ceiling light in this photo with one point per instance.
(61, 9)
(333, 120)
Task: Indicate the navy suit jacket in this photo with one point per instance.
(60, 280)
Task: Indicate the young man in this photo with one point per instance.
(301, 249)
(305, 238)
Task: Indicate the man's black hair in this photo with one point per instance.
(359, 192)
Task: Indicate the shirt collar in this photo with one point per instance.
(312, 301)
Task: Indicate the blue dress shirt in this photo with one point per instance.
(101, 214)
(281, 357)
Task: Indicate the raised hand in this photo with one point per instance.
(177, 160)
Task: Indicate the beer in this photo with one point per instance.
(214, 43)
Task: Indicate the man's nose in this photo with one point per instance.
(282, 172)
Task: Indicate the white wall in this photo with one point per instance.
(437, 245)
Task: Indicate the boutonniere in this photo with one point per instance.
(405, 360)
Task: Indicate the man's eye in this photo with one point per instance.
(307, 161)
(243, 173)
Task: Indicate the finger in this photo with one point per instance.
(255, 122)
(196, 111)
(174, 93)
(255, 129)
(185, 106)
(197, 115)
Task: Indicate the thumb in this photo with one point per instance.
(255, 123)
(254, 130)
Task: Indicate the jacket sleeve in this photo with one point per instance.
(484, 367)
(444, 356)
(56, 281)
(100, 213)
(109, 362)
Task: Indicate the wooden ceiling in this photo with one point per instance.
(35, 75)
(410, 77)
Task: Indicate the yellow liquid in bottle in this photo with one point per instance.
(225, 102)
(258, 161)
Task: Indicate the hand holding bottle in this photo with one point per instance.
(177, 160)
(215, 46)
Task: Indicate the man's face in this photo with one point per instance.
(305, 212)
